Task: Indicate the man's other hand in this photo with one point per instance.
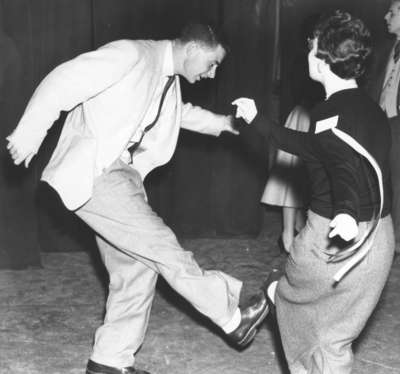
(22, 148)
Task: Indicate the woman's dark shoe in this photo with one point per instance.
(95, 368)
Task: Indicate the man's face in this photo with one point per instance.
(201, 62)
(392, 18)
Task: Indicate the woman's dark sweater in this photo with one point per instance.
(342, 181)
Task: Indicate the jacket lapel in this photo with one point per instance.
(155, 59)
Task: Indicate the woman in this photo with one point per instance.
(287, 184)
(320, 314)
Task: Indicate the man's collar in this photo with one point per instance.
(168, 65)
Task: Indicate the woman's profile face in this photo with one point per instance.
(313, 61)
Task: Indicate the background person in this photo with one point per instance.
(287, 184)
(384, 87)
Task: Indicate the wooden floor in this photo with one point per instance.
(48, 317)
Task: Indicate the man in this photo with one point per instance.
(384, 88)
(125, 114)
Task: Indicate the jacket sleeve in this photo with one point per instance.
(74, 82)
(201, 120)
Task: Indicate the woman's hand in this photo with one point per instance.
(345, 226)
(246, 109)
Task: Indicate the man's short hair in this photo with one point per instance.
(344, 42)
(206, 34)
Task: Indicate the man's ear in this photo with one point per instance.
(191, 48)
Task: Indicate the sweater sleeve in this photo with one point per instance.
(340, 161)
(343, 166)
(263, 130)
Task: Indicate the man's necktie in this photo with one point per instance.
(134, 146)
(396, 51)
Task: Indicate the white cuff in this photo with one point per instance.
(233, 323)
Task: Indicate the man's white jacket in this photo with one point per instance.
(108, 92)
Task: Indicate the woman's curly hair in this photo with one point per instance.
(344, 42)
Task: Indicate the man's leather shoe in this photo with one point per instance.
(251, 318)
(95, 368)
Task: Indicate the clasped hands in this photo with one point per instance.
(343, 225)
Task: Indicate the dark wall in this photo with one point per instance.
(35, 36)
(211, 186)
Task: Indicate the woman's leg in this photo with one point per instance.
(288, 226)
(300, 220)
